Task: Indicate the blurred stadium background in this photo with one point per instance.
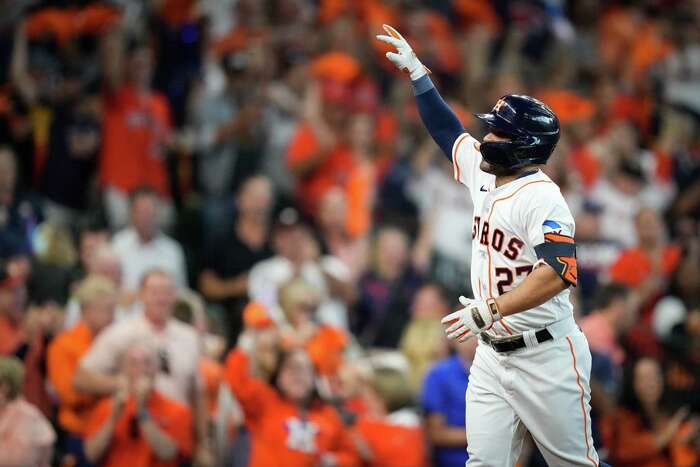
(264, 168)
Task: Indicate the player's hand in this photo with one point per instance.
(405, 59)
(475, 317)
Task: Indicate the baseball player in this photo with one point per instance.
(532, 365)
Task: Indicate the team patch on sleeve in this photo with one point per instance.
(559, 251)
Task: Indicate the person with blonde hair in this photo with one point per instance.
(97, 298)
(389, 434)
(325, 344)
(26, 436)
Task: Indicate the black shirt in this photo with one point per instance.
(66, 177)
(229, 257)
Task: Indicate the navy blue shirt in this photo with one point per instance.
(444, 393)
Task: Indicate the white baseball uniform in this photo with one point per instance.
(543, 388)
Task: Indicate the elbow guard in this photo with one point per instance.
(559, 251)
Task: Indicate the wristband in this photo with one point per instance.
(422, 85)
(493, 308)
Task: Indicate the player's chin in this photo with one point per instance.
(485, 166)
(497, 170)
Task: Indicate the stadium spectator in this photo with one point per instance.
(298, 253)
(325, 344)
(230, 131)
(26, 436)
(139, 425)
(178, 347)
(594, 254)
(104, 262)
(443, 245)
(142, 245)
(91, 238)
(641, 433)
(289, 424)
(390, 433)
(444, 403)
(18, 217)
(320, 154)
(13, 297)
(97, 298)
(423, 341)
(136, 129)
(229, 258)
(386, 291)
(613, 314)
(65, 162)
(652, 260)
(335, 237)
(620, 197)
(646, 268)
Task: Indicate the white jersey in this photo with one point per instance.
(508, 222)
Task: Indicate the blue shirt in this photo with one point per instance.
(444, 393)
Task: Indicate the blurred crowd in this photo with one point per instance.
(226, 238)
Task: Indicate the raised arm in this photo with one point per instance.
(19, 74)
(442, 124)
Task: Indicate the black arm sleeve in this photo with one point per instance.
(442, 124)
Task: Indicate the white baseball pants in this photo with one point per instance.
(543, 389)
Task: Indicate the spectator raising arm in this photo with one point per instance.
(112, 55)
(97, 445)
(21, 80)
(164, 448)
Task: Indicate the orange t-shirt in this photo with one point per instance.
(62, 359)
(634, 265)
(11, 336)
(174, 418)
(393, 445)
(333, 170)
(134, 129)
(633, 444)
(281, 434)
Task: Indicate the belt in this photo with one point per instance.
(509, 344)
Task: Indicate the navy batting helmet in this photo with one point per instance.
(532, 127)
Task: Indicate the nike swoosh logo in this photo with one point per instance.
(482, 188)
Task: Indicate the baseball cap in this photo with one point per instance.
(255, 315)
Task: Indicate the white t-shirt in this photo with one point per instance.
(137, 257)
(178, 345)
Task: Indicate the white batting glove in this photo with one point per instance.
(405, 59)
(475, 317)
